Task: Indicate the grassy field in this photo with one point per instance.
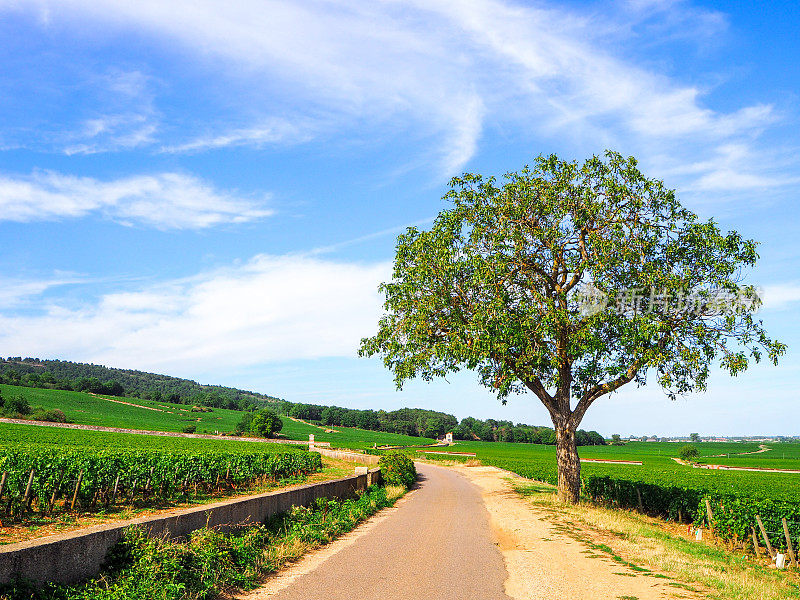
(89, 409)
(781, 455)
(16, 435)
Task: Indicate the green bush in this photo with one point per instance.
(265, 423)
(54, 415)
(398, 469)
(190, 429)
(15, 406)
(689, 452)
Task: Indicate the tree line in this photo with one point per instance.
(431, 424)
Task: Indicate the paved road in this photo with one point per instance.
(437, 545)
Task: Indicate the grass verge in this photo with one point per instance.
(211, 564)
(649, 545)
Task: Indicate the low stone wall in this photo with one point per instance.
(77, 556)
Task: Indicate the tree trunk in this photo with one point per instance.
(569, 465)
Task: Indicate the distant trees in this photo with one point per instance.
(616, 440)
(491, 430)
(695, 437)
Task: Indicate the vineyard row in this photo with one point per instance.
(49, 480)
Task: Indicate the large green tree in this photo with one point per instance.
(569, 281)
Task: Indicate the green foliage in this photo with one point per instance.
(265, 423)
(54, 415)
(15, 406)
(211, 564)
(502, 274)
(190, 429)
(689, 452)
(145, 474)
(398, 469)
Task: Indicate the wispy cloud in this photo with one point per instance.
(129, 119)
(272, 308)
(15, 291)
(443, 72)
(273, 131)
(164, 200)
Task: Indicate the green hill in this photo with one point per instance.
(83, 377)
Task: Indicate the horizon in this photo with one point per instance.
(215, 192)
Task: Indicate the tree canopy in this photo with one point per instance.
(569, 281)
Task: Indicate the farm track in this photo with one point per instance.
(466, 534)
(761, 448)
(436, 543)
(727, 468)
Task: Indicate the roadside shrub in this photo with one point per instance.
(54, 415)
(398, 469)
(689, 452)
(190, 429)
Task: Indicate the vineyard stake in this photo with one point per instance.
(639, 496)
(3, 482)
(789, 542)
(766, 537)
(709, 513)
(27, 499)
(77, 489)
(116, 489)
(756, 547)
(55, 491)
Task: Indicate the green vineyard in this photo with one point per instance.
(47, 479)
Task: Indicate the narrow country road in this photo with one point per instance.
(438, 545)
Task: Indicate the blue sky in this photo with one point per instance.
(212, 190)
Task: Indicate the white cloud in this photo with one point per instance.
(781, 296)
(14, 292)
(272, 308)
(164, 201)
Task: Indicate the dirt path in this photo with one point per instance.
(728, 468)
(436, 544)
(545, 562)
(761, 448)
